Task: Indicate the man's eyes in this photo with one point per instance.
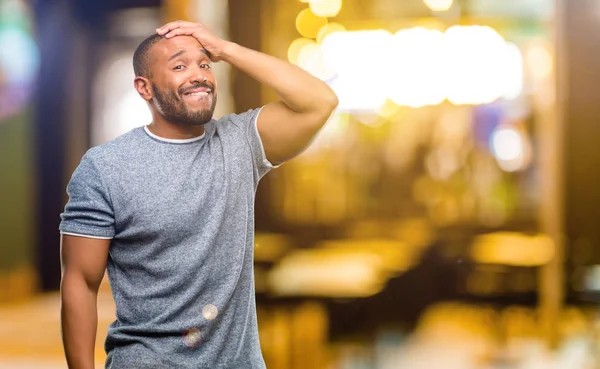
(181, 66)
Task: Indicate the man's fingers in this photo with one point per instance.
(180, 31)
(173, 25)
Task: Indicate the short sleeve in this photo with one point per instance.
(248, 122)
(89, 211)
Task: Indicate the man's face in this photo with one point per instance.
(183, 82)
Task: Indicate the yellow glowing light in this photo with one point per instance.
(328, 29)
(513, 71)
(513, 249)
(416, 69)
(475, 58)
(539, 62)
(358, 88)
(388, 109)
(326, 8)
(438, 5)
(295, 47)
(308, 24)
(310, 59)
(326, 273)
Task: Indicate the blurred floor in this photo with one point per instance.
(30, 332)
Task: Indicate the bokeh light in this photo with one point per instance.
(19, 57)
(295, 47)
(476, 59)
(326, 8)
(328, 29)
(510, 147)
(308, 24)
(358, 88)
(439, 5)
(416, 71)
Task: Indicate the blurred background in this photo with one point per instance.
(445, 217)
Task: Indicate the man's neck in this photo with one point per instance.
(169, 130)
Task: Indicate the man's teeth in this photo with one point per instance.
(202, 93)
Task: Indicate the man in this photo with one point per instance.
(168, 209)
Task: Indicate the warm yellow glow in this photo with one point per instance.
(388, 109)
(361, 85)
(310, 59)
(415, 68)
(325, 273)
(418, 67)
(295, 47)
(438, 5)
(513, 249)
(539, 62)
(328, 29)
(476, 64)
(308, 24)
(513, 72)
(326, 8)
(332, 134)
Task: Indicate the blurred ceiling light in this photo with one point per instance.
(415, 68)
(510, 148)
(438, 5)
(513, 70)
(328, 29)
(358, 88)
(476, 64)
(326, 8)
(515, 249)
(419, 67)
(295, 47)
(308, 24)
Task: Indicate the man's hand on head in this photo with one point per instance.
(213, 44)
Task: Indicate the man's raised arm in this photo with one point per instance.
(287, 126)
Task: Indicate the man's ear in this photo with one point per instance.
(143, 87)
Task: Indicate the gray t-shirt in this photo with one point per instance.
(180, 216)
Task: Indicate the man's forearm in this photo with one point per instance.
(298, 89)
(79, 319)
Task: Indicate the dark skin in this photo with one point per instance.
(177, 66)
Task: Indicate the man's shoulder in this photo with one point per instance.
(115, 149)
(238, 119)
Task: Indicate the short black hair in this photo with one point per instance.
(141, 62)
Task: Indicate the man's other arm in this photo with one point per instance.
(83, 262)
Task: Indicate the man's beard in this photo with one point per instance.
(174, 109)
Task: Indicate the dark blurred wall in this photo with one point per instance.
(579, 86)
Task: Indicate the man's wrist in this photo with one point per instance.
(228, 50)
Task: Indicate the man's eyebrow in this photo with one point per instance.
(181, 52)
